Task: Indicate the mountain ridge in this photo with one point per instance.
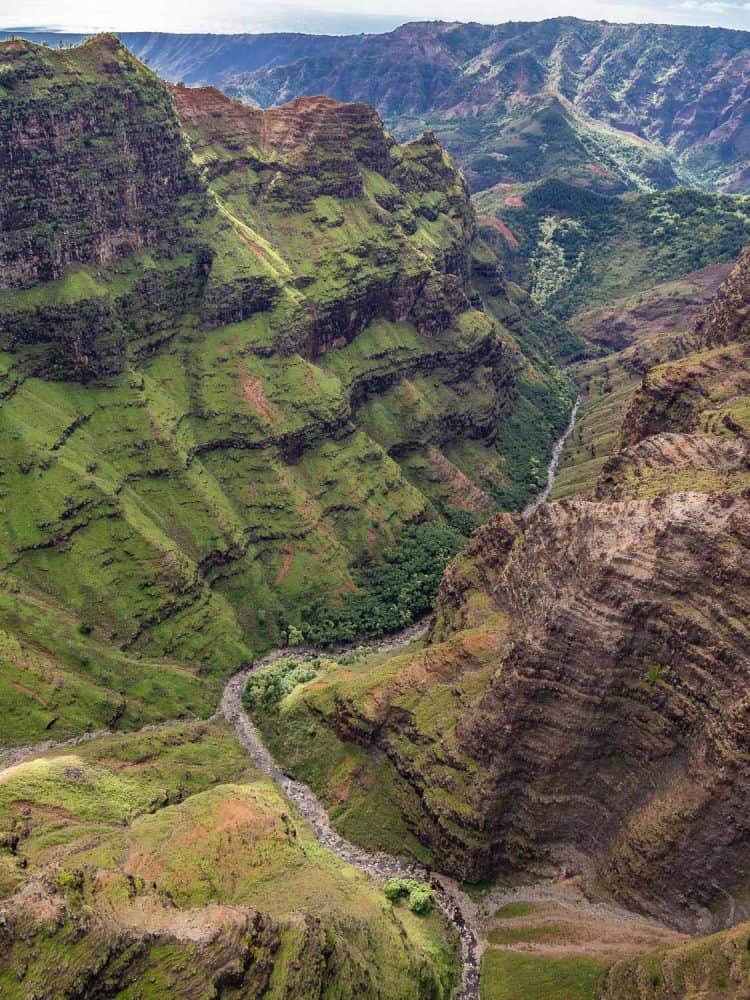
(293, 372)
(647, 104)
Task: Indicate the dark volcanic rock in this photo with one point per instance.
(92, 165)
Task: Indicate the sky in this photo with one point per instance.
(346, 16)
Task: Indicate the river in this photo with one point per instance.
(557, 450)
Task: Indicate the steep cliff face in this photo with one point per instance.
(99, 210)
(727, 318)
(91, 163)
(310, 146)
(629, 621)
(589, 667)
(582, 697)
(284, 370)
(272, 170)
(707, 391)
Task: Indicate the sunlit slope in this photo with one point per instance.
(240, 357)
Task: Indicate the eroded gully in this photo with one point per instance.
(554, 461)
(455, 905)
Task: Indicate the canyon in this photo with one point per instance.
(271, 378)
(610, 106)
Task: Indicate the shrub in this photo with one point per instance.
(267, 688)
(394, 889)
(652, 675)
(420, 899)
(295, 637)
(420, 895)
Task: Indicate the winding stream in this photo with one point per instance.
(557, 450)
(454, 904)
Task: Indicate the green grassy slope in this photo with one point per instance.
(162, 863)
(258, 366)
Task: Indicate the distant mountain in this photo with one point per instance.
(613, 106)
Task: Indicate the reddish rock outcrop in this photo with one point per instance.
(314, 138)
(727, 318)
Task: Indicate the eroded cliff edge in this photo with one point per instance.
(582, 700)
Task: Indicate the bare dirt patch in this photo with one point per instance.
(556, 918)
(462, 492)
(254, 393)
(490, 220)
(285, 566)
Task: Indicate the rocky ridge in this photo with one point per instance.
(622, 105)
(701, 391)
(589, 662)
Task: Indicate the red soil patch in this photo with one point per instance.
(22, 689)
(514, 201)
(462, 492)
(490, 220)
(253, 391)
(256, 248)
(285, 566)
(238, 814)
(598, 171)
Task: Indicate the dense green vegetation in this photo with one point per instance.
(524, 438)
(396, 590)
(419, 894)
(267, 687)
(622, 271)
(578, 249)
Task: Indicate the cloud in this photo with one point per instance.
(713, 6)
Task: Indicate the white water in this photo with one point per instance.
(554, 461)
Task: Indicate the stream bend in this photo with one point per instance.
(452, 902)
